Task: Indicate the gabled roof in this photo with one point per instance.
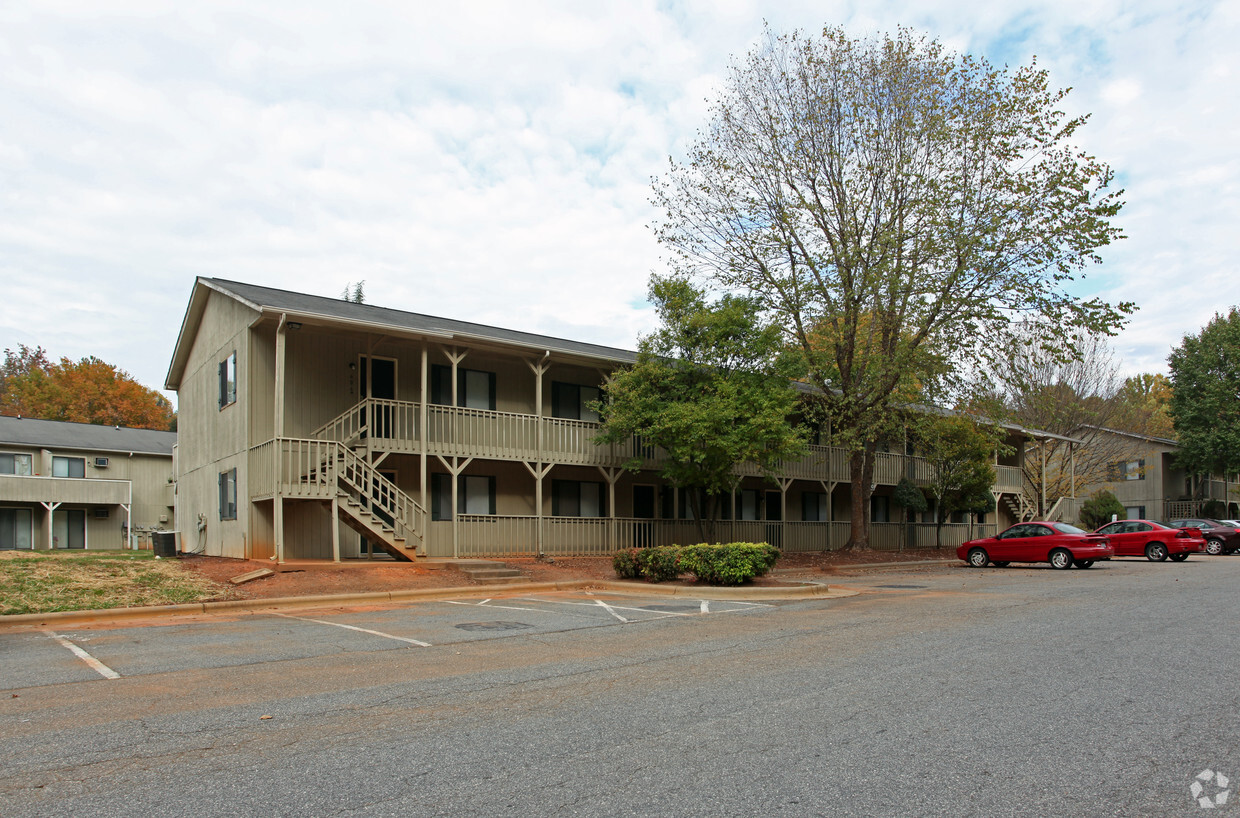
(58, 434)
(334, 312)
(1166, 441)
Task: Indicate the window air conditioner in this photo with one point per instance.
(101, 462)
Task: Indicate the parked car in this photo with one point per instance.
(1220, 538)
(1152, 540)
(1060, 544)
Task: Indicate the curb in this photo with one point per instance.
(804, 591)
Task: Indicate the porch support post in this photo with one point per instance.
(128, 507)
(281, 336)
(455, 356)
(1042, 501)
(539, 471)
(455, 468)
(278, 510)
(51, 507)
(539, 368)
(423, 418)
(1072, 468)
(335, 528)
(785, 483)
(611, 475)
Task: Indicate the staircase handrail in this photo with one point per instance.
(347, 426)
(409, 518)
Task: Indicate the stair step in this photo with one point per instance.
(492, 573)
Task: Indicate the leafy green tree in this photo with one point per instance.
(712, 387)
(960, 452)
(1205, 398)
(85, 391)
(1144, 405)
(1098, 510)
(894, 198)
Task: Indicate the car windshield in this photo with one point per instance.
(1064, 528)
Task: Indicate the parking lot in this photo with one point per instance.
(78, 654)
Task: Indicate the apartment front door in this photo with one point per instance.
(378, 380)
(69, 528)
(643, 510)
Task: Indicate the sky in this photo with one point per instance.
(492, 161)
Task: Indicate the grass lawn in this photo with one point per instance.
(47, 581)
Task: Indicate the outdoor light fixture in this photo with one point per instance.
(294, 325)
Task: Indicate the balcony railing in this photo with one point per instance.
(77, 490)
(495, 536)
(395, 426)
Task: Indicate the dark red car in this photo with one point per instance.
(1060, 544)
(1220, 538)
(1152, 540)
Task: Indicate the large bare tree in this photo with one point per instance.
(896, 206)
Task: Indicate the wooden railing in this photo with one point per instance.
(318, 469)
(1009, 479)
(395, 426)
(495, 536)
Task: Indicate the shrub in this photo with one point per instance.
(658, 564)
(625, 563)
(1213, 509)
(1098, 509)
(730, 564)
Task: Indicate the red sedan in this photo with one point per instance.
(1152, 540)
(1060, 544)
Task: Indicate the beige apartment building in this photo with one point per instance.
(317, 428)
(79, 485)
(1146, 479)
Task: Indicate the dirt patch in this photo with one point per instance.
(363, 576)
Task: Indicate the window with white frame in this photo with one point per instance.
(228, 494)
(68, 467)
(228, 380)
(11, 463)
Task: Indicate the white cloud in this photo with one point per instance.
(491, 161)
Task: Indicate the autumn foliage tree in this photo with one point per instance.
(84, 391)
(892, 197)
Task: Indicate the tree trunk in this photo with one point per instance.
(861, 480)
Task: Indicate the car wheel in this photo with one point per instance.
(1155, 552)
(1179, 557)
(978, 557)
(1061, 558)
(1084, 563)
(1214, 546)
(1001, 563)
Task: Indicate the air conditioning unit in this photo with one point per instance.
(101, 462)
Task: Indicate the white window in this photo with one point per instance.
(228, 495)
(68, 467)
(228, 380)
(15, 464)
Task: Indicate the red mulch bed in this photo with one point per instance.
(360, 576)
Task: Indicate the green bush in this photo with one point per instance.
(1213, 509)
(1098, 509)
(727, 564)
(730, 564)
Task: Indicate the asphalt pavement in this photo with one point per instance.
(935, 691)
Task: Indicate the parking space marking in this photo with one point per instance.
(609, 610)
(94, 664)
(483, 604)
(355, 628)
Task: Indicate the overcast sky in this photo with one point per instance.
(492, 161)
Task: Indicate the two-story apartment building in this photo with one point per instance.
(1146, 479)
(318, 428)
(79, 485)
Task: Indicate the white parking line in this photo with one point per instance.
(355, 628)
(94, 664)
(609, 610)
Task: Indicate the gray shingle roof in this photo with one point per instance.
(57, 434)
(270, 299)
